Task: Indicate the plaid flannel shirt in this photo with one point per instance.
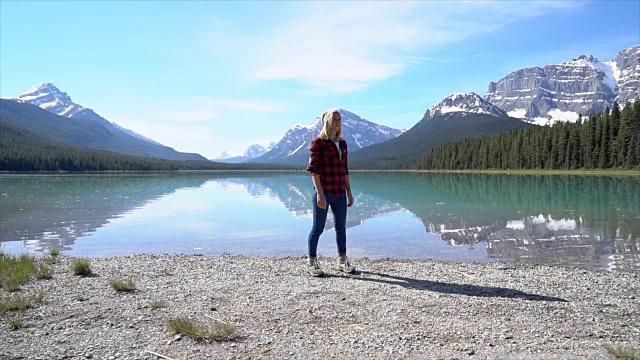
(324, 160)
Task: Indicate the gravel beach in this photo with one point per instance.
(390, 309)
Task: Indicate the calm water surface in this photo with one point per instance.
(593, 222)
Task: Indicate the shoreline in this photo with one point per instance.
(403, 309)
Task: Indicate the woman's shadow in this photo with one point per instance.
(451, 288)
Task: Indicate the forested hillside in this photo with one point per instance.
(609, 140)
(21, 150)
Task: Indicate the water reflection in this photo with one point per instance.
(53, 211)
(590, 221)
(581, 220)
(296, 193)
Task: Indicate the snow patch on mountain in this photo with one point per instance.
(518, 113)
(565, 116)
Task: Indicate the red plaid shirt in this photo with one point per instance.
(324, 160)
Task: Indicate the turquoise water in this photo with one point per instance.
(588, 221)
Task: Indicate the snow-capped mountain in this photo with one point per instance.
(457, 116)
(50, 98)
(256, 150)
(251, 153)
(465, 103)
(83, 127)
(47, 96)
(293, 148)
(224, 155)
(585, 85)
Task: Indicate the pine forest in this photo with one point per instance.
(609, 140)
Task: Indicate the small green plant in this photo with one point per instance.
(14, 303)
(624, 353)
(81, 298)
(43, 272)
(15, 323)
(16, 270)
(54, 255)
(158, 305)
(11, 285)
(81, 267)
(40, 296)
(219, 331)
(225, 332)
(122, 286)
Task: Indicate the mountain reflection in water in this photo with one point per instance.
(585, 220)
(53, 211)
(590, 221)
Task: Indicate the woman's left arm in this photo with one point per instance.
(347, 183)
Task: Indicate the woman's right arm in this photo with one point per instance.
(315, 164)
(322, 201)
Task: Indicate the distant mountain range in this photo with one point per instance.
(536, 95)
(48, 111)
(293, 148)
(251, 153)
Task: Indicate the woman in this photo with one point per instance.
(330, 174)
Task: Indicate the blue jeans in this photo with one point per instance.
(338, 205)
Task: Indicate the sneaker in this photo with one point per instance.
(313, 267)
(344, 265)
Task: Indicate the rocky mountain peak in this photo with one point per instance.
(588, 58)
(254, 151)
(465, 103)
(49, 97)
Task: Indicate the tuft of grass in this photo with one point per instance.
(15, 323)
(43, 272)
(81, 298)
(158, 305)
(122, 286)
(16, 270)
(219, 331)
(81, 267)
(54, 255)
(624, 353)
(14, 303)
(11, 285)
(39, 298)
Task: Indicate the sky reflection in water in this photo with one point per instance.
(592, 222)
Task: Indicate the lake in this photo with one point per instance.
(588, 221)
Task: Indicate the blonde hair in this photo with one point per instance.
(327, 122)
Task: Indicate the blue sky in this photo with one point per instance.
(209, 76)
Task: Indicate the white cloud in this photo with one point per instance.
(199, 125)
(345, 46)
